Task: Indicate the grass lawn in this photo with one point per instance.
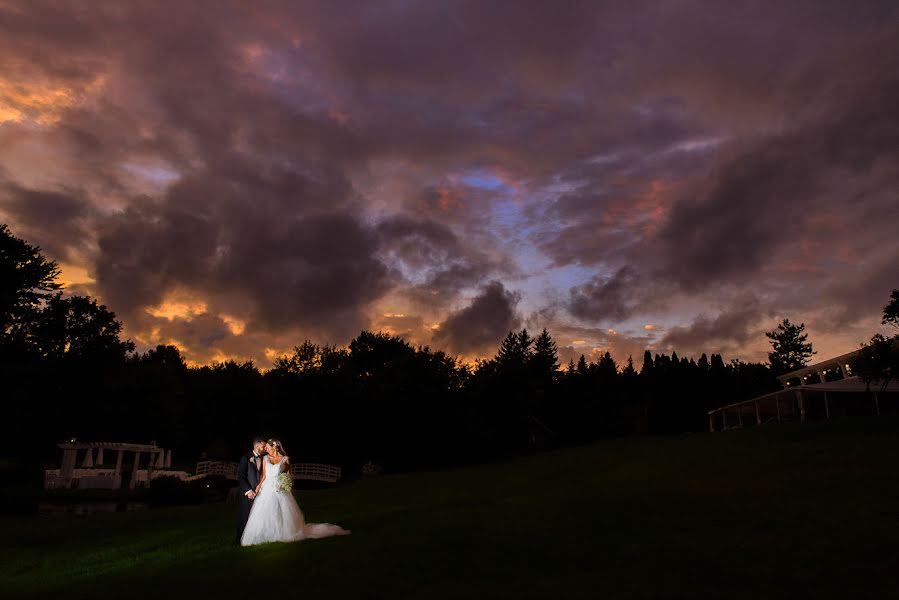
(778, 511)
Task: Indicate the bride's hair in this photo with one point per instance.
(276, 444)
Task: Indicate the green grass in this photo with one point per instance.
(778, 511)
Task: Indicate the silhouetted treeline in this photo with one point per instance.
(66, 373)
(378, 399)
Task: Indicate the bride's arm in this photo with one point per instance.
(261, 477)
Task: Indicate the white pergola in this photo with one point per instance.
(93, 460)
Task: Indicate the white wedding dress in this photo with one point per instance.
(276, 516)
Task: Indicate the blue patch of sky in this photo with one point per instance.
(156, 173)
(484, 181)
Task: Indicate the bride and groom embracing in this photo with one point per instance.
(268, 510)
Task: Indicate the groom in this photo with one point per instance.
(247, 478)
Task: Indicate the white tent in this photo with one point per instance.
(790, 402)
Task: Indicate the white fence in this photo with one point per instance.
(216, 467)
(313, 471)
(316, 472)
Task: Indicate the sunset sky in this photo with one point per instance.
(235, 177)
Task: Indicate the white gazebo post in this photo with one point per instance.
(69, 456)
(88, 459)
(99, 456)
(150, 469)
(711, 423)
(758, 415)
(118, 464)
(168, 459)
(133, 482)
(160, 460)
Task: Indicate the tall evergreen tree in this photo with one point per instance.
(717, 364)
(703, 363)
(525, 343)
(545, 358)
(512, 353)
(790, 348)
(607, 368)
(582, 368)
(629, 370)
(647, 363)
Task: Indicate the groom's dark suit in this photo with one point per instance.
(247, 478)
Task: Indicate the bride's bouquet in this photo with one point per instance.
(285, 482)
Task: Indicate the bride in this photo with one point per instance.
(275, 516)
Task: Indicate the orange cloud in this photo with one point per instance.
(71, 274)
(42, 102)
(177, 308)
(235, 326)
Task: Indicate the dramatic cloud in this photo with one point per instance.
(480, 326)
(729, 330)
(234, 178)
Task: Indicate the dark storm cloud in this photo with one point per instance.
(615, 298)
(482, 324)
(725, 331)
(762, 199)
(60, 219)
(317, 270)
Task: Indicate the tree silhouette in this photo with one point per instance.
(78, 328)
(647, 367)
(27, 280)
(166, 357)
(606, 368)
(629, 371)
(790, 350)
(891, 310)
(703, 363)
(306, 358)
(544, 359)
(878, 362)
(515, 352)
(582, 368)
